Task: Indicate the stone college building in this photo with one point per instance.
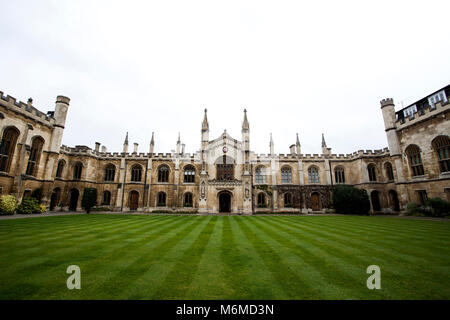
(224, 175)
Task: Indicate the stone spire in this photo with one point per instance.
(125, 144)
(325, 149)
(324, 144)
(245, 124)
(297, 145)
(152, 143)
(205, 124)
(271, 145)
(178, 143)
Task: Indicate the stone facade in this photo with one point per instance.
(224, 175)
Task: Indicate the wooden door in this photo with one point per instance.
(134, 200)
(315, 202)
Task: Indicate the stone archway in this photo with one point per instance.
(375, 199)
(394, 200)
(224, 198)
(54, 198)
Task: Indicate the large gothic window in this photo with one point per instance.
(260, 175)
(389, 171)
(7, 147)
(313, 174)
(225, 169)
(339, 175)
(136, 173)
(415, 160)
(286, 175)
(371, 170)
(163, 173)
(110, 172)
(442, 146)
(189, 174)
(60, 168)
(77, 170)
(35, 156)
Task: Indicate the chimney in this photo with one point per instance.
(135, 147)
(292, 147)
(97, 146)
(104, 150)
(30, 102)
(182, 148)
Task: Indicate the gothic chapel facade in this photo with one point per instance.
(225, 176)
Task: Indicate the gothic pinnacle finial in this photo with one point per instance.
(245, 124)
(324, 144)
(152, 142)
(126, 139)
(205, 125)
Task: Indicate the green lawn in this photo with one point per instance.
(224, 257)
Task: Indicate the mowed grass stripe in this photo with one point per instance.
(316, 265)
(396, 271)
(294, 286)
(55, 265)
(177, 282)
(131, 262)
(48, 255)
(255, 276)
(374, 241)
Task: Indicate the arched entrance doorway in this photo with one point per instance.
(134, 200)
(54, 199)
(394, 200)
(74, 194)
(375, 199)
(224, 202)
(315, 201)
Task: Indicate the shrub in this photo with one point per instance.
(413, 209)
(350, 200)
(37, 194)
(439, 207)
(89, 199)
(8, 204)
(28, 206)
(42, 208)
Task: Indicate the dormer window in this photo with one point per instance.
(437, 97)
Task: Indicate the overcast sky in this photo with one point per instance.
(296, 66)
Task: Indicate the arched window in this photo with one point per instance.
(7, 147)
(225, 168)
(163, 173)
(313, 174)
(189, 174)
(136, 173)
(389, 171)
(287, 200)
(442, 146)
(415, 160)
(60, 168)
(106, 198)
(286, 175)
(339, 175)
(260, 175)
(77, 169)
(161, 199)
(188, 199)
(35, 156)
(261, 200)
(371, 170)
(110, 172)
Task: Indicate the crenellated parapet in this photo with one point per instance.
(26, 109)
(422, 115)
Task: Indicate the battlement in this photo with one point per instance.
(422, 114)
(387, 102)
(28, 111)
